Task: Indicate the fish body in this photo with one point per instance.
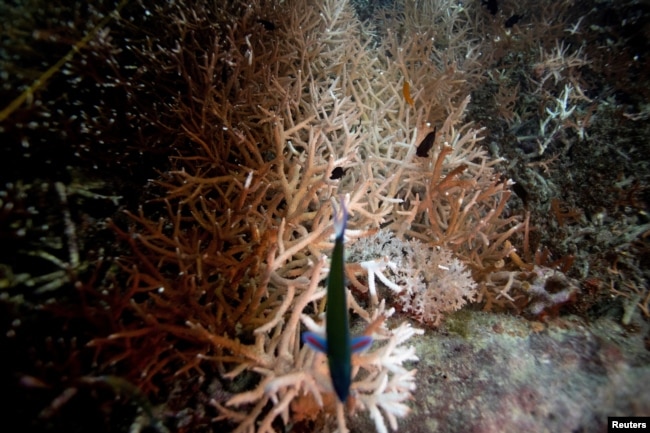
(406, 91)
(426, 144)
(338, 345)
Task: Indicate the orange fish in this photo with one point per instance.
(406, 90)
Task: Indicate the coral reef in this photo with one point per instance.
(238, 254)
(211, 141)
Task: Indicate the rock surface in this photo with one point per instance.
(494, 373)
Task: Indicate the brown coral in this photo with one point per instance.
(225, 264)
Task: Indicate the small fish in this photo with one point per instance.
(406, 91)
(338, 345)
(427, 143)
(338, 173)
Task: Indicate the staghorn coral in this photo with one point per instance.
(206, 301)
(228, 262)
(264, 123)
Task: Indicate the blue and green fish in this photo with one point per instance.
(337, 343)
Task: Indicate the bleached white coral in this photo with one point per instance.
(376, 268)
(448, 285)
(381, 383)
(430, 281)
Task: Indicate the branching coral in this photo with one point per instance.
(429, 280)
(249, 117)
(231, 259)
